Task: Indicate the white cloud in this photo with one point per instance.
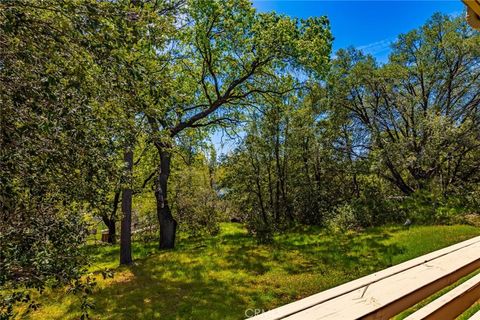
(379, 47)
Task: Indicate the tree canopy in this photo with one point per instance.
(108, 109)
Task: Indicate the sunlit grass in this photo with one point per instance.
(470, 312)
(222, 276)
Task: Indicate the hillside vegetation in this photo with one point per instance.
(227, 275)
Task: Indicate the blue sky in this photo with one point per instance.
(368, 25)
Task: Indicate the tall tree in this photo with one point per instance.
(56, 156)
(421, 109)
(129, 47)
(226, 55)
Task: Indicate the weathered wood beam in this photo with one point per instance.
(451, 304)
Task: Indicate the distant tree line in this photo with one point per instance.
(374, 143)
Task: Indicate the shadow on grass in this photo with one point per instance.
(317, 252)
(348, 251)
(149, 296)
(222, 276)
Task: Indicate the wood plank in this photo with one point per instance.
(386, 298)
(474, 5)
(451, 304)
(325, 296)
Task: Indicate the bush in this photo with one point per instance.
(197, 213)
(424, 207)
(194, 196)
(263, 232)
(39, 248)
(343, 218)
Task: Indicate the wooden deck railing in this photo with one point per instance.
(387, 293)
(473, 13)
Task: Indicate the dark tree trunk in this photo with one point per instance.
(397, 179)
(112, 232)
(110, 222)
(168, 228)
(168, 225)
(126, 232)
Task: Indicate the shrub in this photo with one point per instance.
(343, 218)
(424, 207)
(39, 248)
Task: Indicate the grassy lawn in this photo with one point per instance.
(221, 277)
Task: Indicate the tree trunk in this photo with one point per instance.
(168, 228)
(110, 222)
(168, 225)
(126, 232)
(112, 232)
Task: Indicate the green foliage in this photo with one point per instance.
(418, 113)
(424, 207)
(220, 277)
(377, 204)
(42, 250)
(55, 155)
(60, 134)
(375, 144)
(195, 201)
(84, 288)
(9, 301)
(348, 143)
(343, 218)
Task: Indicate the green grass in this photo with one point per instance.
(222, 276)
(470, 312)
